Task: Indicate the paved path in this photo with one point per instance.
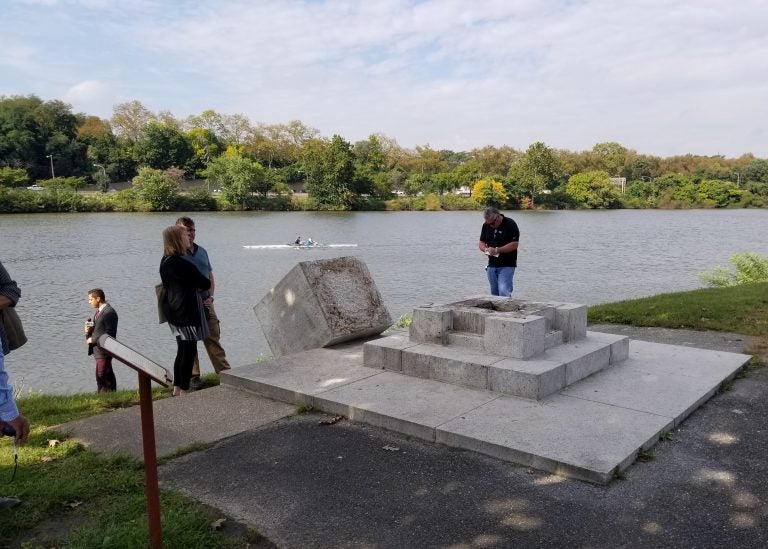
(303, 484)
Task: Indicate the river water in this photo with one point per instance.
(414, 257)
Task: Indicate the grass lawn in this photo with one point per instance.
(742, 309)
(72, 497)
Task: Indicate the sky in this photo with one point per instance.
(662, 77)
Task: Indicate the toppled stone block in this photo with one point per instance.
(320, 303)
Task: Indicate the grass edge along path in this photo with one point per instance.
(76, 498)
(98, 501)
(740, 309)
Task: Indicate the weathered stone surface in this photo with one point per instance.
(532, 378)
(449, 364)
(515, 337)
(320, 303)
(386, 353)
(431, 325)
(619, 345)
(572, 320)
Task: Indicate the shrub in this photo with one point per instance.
(749, 267)
(197, 199)
(457, 202)
(13, 177)
(156, 188)
(432, 203)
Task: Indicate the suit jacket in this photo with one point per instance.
(104, 323)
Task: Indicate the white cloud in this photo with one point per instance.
(659, 76)
(92, 97)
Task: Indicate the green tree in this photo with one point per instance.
(207, 120)
(610, 157)
(369, 161)
(160, 146)
(330, 173)
(238, 177)
(280, 145)
(494, 161)
(416, 183)
(722, 193)
(468, 172)
(443, 182)
(489, 192)
(205, 147)
(756, 171)
(156, 188)
(643, 166)
(13, 177)
(32, 129)
(593, 190)
(537, 170)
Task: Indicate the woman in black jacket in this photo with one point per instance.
(182, 304)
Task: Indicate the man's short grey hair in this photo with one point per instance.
(488, 212)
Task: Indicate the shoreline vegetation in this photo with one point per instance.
(74, 497)
(62, 199)
(216, 161)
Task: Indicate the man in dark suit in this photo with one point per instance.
(104, 322)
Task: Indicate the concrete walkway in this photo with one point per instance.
(303, 484)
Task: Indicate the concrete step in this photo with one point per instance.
(476, 342)
(466, 365)
(466, 339)
(553, 338)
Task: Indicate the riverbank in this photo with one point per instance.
(73, 496)
(199, 199)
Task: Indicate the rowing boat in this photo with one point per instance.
(297, 246)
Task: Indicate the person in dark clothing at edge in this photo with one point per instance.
(499, 239)
(182, 305)
(11, 421)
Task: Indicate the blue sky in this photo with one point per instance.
(659, 76)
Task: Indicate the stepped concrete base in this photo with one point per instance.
(470, 365)
(590, 430)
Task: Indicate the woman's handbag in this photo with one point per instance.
(160, 291)
(14, 331)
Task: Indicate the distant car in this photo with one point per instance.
(36, 188)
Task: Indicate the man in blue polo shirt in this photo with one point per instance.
(199, 258)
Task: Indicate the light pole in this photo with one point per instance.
(738, 179)
(53, 176)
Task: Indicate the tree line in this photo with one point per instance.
(260, 165)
